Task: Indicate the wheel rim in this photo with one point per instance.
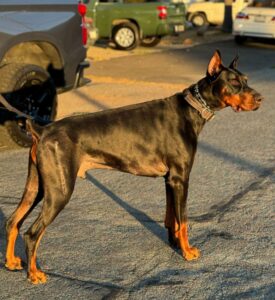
(33, 98)
(125, 37)
(198, 21)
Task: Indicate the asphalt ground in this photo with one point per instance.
(110, 242)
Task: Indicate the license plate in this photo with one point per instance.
(260, 19)
(179, 28)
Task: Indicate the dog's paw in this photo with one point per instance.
(14, 264)
(192, 254)
(37, 277)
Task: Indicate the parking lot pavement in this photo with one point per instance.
(104, 51)
(110, 242)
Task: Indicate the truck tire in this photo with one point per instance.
(199, 20)
(31, 90)
(125, 36)
(150, 41)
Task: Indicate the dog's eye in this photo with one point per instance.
(235, 82)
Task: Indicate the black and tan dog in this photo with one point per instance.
(157, 138)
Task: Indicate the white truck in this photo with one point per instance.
(212, 12)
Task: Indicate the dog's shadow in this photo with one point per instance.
(153, 226)
(150, 224)
(2, 236)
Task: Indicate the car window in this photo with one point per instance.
(262, 3)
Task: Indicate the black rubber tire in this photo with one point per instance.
(125, 36)
(199, 20)
(31, 90)
(239, 39)
(150, 41)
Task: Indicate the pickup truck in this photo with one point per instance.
(128, 23)
(42, 53)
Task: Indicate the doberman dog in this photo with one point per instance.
(155, 138)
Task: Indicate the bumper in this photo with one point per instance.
(254, 29)
(165, 29)
(268, 35)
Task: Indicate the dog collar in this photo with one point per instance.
(199, 104)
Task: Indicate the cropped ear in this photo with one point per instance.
(215, 64)
(234, 62)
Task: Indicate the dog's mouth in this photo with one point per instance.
(237, 108)
(249, 107)
(240, 109)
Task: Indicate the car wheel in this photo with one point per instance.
(30, 89)
(199, 20)
(150, 41)
(125, 36)
(239, 39)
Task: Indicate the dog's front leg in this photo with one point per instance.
(170, 218)
(171, 221)
(180, 191)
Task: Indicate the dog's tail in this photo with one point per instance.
(36, 132)
(35, 129)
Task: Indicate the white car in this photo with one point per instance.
(256, 20)
(212, 11)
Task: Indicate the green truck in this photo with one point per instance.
(129, 23)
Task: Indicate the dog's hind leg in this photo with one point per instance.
(33, 194)
(58, 179)
(54, 201)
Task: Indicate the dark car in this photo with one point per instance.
(42, 53)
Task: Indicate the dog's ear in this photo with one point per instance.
(234, 62)
(215, 65)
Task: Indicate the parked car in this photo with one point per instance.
(42, 53)
(257, 21)
(129, 23)
(211, 12)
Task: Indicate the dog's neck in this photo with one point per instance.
(195, 99)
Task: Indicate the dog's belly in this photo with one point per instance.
(153, 169)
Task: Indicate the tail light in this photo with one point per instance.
(273, 19)
(242, 15)
(162, 12)
(82, 10)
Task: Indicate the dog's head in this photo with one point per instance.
(226, 86)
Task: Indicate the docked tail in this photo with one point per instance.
(35, 129)
(36, 132)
